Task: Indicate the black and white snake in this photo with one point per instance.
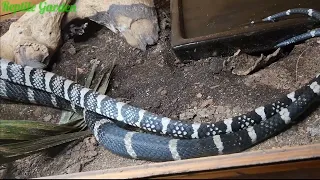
(310, 12)
(167, 139)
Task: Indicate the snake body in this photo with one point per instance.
(18, 83)
(178, 140)
(310, 12)
(80, 96)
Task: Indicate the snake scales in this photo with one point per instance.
(310, 12)
(180, 140)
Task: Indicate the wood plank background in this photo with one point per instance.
(290, 159)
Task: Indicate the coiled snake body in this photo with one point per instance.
(167, 139)
(38, 86)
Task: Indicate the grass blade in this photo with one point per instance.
(13, 151)
(103, 88)
(27, 130)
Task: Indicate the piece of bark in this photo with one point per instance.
(244, 64)
(34, 37)
(135, 20)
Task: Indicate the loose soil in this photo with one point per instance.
(156, 81)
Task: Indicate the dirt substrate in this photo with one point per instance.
(154, 80)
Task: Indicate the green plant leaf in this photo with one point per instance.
(14, 151)
(101, 87)
(28, 130)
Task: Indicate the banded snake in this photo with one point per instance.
(168, 139)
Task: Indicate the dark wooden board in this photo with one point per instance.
(205, 28)
(289, 162)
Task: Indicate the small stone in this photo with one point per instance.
(220, 110)
(3, 173)
(91, 154)
(77, 147)
(199, 95)
(91, 148)
(116, 84)
(81, 70)
(37, 112)
(159, 90)
(175, 100)
(177, 61)
(87, 141)
(194, 103)
(197, 119)
(72, 50)
(313, 131)
(189, 114)
(68, 152)
(163, 92)
(156, 104)
(228, 112)
(139, 61)
(213, 87)
(47, 118)
(74, 168)
(203, 113)
(161, 63)
(206, 103)
(93, 141)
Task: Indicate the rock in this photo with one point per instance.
(163, 92)
(202, 113)
(228, 112)
(213, 87)
(37, 112)
(72, 50)
(135, 20)
(175, 100)
(77, 147)
(177, 61)
(194, 103)
(199, 95)
(74, 168)
(220, 110)
(206, 103)
(34, 37)
(3, 173)
(93, 141)
(161, 62)
(156, 104)
(81, 70)
(139, 61)
(237, 110)
(47, 118)
(91, 154)
(197, 119)
(313, 131)
(159, 90)
(188, 114)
